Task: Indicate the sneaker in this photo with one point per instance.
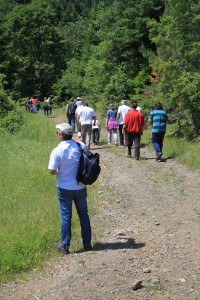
(109, 144)
(116, 144)
(121, 146)
(128, 155)
(158, 156)
(137, 158)
(63, 250)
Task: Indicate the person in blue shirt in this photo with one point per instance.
(158, 119)
(111, 124)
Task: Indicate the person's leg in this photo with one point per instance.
(157, 141)
(80, 200)
(79, 129)
(93, 135)
(97, 136)
(115, 136)
(121, 136)
(137, 138)
(73, 122)
(83, 133)
(130, 142)
(88, 131)
(161, 138)
(69, 119)
(65, 200)
(109, 136)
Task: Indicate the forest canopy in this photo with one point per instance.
(146, 50)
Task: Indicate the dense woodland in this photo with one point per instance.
(108, 50)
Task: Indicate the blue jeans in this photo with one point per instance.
(95, 135)
(65, 198)
(71, 120)
(157, 141)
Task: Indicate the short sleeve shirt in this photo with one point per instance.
(65, 159)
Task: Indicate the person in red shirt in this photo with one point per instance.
(133, 125)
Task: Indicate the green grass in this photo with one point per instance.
(29, 213)
(181, 150)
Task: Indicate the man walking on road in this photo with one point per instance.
(158, 118)
(122, 110)
(133, 124)
(86, 115)
(64, 162)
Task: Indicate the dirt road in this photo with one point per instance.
(149, 249)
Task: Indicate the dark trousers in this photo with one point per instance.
(157, 141)
(95, 135)
(123, 138)
(134, 137)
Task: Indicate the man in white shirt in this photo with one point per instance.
(78, 102)
(63, 163)
(122, 110)
(86, 115)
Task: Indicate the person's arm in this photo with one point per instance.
(67, 109)
(124, 128)
(118, 116)
(53, 172)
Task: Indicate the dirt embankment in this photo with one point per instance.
(150, 220)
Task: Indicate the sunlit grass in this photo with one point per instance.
(29, 213)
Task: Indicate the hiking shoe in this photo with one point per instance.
(158, 156)
(64, 250)
(137, 158)
(87, 248)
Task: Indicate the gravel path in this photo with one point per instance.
(149, 249)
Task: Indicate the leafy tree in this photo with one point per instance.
(178, 61)
(33, 50)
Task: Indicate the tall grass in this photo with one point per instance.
(29, 214)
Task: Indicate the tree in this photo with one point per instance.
(33, 51)
(178, 61)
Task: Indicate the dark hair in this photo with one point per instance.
(66, 137)
(158, 106)
(134, 104)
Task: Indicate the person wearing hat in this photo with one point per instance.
(64, 162)
(122, 110)
(78, 102)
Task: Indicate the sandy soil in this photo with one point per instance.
(149, 249)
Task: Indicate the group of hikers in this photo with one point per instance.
(125, 121)
(64, 159)
(33, 104)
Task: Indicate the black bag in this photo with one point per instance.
(71, 108)
(89, 168)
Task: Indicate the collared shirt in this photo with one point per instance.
(159, 119)
(65, 159)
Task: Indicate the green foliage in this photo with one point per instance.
(177, 60)
(13, 121)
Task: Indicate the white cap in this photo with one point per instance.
(78, 98)
(65, 128)
(123, 101)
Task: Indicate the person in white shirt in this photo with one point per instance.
(64, 163)
(79, 101)
(96, 132)
(86, 115)
(122, 110)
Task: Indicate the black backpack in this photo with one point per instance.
(89, 168)
(71, 108)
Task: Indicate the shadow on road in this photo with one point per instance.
(128, 244)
